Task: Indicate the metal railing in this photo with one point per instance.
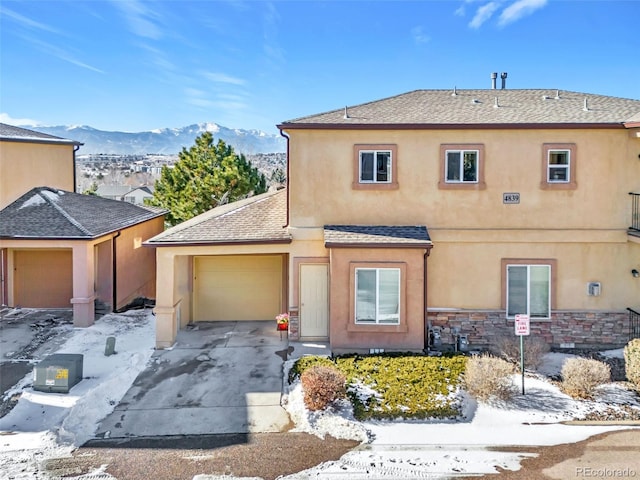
(635, 211)
(634, 324)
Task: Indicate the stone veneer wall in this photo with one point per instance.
(294, 325)
(577, 329)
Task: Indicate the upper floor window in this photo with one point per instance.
(559, 166)
(462, 167)
(375, 167)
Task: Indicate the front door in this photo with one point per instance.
(314, 318)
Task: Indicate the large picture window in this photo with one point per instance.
(377, 298)
(529, 290)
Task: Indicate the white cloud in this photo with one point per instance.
(8, 119)
(141, 19)
(27, 22)
(218, 77)
(519, 9)
(419, 36)
(483, 14)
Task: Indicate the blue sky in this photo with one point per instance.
(141, 65)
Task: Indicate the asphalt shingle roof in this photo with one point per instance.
(477, 107)
(371, 235)
(17, 134)
(48, 213)
(258, 219)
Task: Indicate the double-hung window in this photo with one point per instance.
(528, 290)
(375, 166)
(377, 296)
(559, 166)
(461, 166)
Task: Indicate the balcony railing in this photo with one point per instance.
(634, 323)
(635, 211)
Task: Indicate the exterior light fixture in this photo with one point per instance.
(635, 273)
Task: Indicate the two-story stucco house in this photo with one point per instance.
(455, 209)
(60, 249)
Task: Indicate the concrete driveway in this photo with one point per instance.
(219, 378)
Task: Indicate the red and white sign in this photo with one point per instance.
(522, 325)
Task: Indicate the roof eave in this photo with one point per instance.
(272, 241)
(425, 245)
(51, 141)
(447, 126)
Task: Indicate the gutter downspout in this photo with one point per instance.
(287, 184)
(2, 278)
(114, 274)
(424, 303)
(75, 185)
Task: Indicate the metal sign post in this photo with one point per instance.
(522, 326)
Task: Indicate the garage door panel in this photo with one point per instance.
(237, 287)
(43, 278)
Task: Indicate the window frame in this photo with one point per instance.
(479, 183)
(378, 320)
(550, 184)
(551, 263)
(392, 183)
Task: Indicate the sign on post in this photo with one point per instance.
(522, 328)
(522, 325)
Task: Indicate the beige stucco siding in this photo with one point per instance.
(24, 166)
(606, 170)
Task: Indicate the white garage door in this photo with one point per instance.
(242, 287)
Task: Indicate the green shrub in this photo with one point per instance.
(322, 385)
(581, 376)
(632, 362)
(508, 348)
(304, 363)
(488, 377)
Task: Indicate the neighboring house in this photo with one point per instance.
(126, 193)
(29, 159)
(455, 210)
(62, 249)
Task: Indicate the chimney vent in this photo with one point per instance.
(494, 75)
(503, 76)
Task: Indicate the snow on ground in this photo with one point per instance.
(50, 425)
(45, 425)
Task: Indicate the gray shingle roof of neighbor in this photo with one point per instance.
(258, 219)
(478, 107)
(372, 235)
(16, 134)
(49, 213)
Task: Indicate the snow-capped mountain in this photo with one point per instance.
(165, 140)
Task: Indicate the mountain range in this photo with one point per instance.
(166, 140)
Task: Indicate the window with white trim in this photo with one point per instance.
(461, 166)
(559, 166)
(529, 290)
(375, 166)
(377, 296)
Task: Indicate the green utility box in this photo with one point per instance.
(58, 373)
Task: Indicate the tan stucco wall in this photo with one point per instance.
(24, 166)
(136, 265)
(344, 333)
(584, 229)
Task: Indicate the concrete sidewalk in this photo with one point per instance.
(219, 378)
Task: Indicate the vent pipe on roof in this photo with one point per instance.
(557, 94)
(455, 92)
(346, 114)
(494, 76)
(586, 106)
(503, 76)
(496, 104)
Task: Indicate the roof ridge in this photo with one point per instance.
(60, 210)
